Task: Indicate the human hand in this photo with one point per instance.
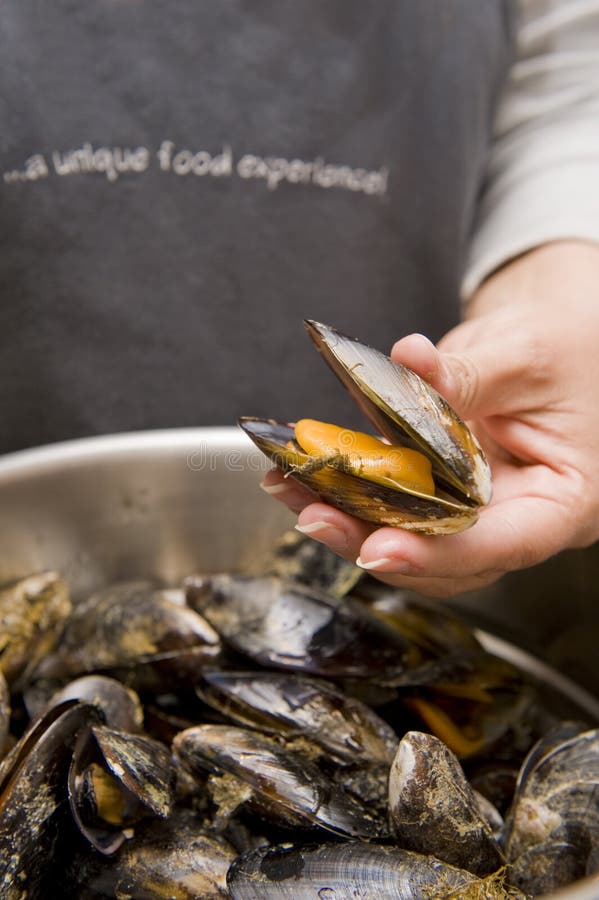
(524, 371)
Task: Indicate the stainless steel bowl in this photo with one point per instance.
(164, 504)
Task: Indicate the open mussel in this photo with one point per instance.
(473, 701)
(115, 780)
(428, 475)
(33, 808)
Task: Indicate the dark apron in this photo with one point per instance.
(182, 183)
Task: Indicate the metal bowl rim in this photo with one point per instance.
(105, 446)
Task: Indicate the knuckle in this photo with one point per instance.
(467, 377)
(537, 358)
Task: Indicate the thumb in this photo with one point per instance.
(473, 385)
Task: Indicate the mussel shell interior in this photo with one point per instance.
(358, 496)
(408, 411)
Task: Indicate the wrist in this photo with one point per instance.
(556, 272)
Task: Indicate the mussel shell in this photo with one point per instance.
(490, 814)
(120, 706)
(471, 700)
(407, 410)
(540, 754)
(141, 764)
(291, 626)
(494, 779)
(33, 804)
(282, 781)
(357, 496)
(346, 871)
(131, 629)
(434, 810)
(430, 624)
(553, 827)
(296, 557)
(165, 859)
(297, 706)
(138, 770)
(32, 614)
(546, 868)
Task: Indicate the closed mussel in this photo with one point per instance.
(351, 870)
(294, 705)
(134, 632)
(291, 626)
(120, 706)
(33, 611)
(434, 810)
(285, 786)
(553, 827)
(166, 859)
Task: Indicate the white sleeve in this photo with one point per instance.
(542, 175)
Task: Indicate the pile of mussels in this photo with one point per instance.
(303, 732)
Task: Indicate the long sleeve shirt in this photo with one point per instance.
(542, 174)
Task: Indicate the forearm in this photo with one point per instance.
(542, 172)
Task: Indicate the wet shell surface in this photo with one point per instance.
(32, 803)
(133, 631)
(291, 626)
(115, 780)
(297, 706)
(287, 731)
(279, 778)
(166, 858)
(553, 828)
(347, 871)
(33, 611)
(434, 810)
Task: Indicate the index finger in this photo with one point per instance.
(512, 534)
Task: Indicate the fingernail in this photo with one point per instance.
(335, 537)
(375, 564)
(399, 566)
(313, 527)
(277, 488)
